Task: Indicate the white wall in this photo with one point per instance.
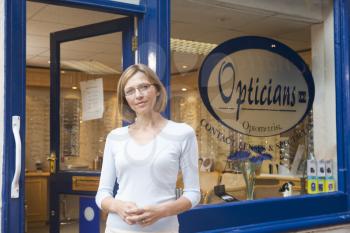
(2, 8)
(322, 40)
(304, 11)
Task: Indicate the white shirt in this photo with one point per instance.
(147, 173)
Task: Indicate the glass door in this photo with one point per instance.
(83, 110)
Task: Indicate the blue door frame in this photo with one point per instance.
(14, 104)
(268, 215)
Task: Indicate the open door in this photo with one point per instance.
(75, 172)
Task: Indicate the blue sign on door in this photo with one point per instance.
(89, 216)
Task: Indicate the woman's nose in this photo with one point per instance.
(138, 94)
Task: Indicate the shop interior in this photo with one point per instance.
(196, 28)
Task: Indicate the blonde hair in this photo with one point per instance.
(123, 106)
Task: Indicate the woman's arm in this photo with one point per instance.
(175, 207)
(190, 176)
(108, 176)
(104, 197)
(189, 168)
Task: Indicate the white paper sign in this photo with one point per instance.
(92, 99)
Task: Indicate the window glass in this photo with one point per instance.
(303, 158)
(88, 104)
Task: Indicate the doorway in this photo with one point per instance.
(66, 153)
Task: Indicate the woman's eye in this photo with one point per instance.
(129, 92)
(144, 87)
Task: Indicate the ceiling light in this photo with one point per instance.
(90, 67)
(184, 89)
(191, 47)
(74, 87)
(184, 67)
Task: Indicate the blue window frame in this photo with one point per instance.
(272, 215)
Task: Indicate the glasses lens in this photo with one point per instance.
(144, 87)
(130, 91)
(141, 88)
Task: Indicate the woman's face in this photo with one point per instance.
(140, 94)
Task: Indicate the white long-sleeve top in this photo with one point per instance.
(147, 173)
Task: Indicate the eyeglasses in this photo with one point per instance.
(142, 88)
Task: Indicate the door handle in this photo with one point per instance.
(16, 123)
(52, 159)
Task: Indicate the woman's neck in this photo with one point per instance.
(152, 120)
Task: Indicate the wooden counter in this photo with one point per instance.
(278, 180)
(36, 174)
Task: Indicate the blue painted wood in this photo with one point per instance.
(55, 84)
(12, 217)
(154, 41)
(128, 57)
(289, 225)
(100, 5)
(245, 213)
(342, 61)
(96, 29)
(92, 223)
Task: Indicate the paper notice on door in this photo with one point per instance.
(92, 99)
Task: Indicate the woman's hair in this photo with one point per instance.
(123, 106)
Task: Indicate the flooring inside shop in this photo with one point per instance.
(71, 227)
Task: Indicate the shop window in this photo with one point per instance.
(306, 28)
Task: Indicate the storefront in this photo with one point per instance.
(281, 72)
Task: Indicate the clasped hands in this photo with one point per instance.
(144, 216)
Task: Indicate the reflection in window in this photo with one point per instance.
(312, 139)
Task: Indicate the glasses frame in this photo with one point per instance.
(142, 88)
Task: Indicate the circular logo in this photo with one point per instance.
(89, 214)
(256, 86)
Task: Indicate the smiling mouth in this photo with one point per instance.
(141, 103)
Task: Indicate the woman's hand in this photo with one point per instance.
(147, 215)
(122, 208)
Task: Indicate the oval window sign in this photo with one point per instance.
(256, 86)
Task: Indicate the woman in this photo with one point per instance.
(145, 158)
